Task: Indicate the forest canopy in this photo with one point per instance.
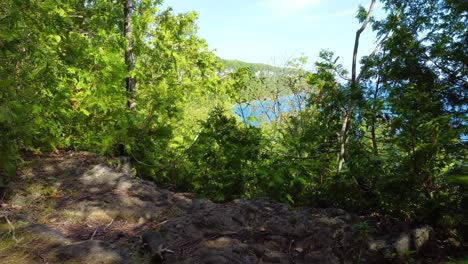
(128, 78)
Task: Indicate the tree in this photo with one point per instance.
(354, 86)
(422, 80)
(129, 55)
(63, 71)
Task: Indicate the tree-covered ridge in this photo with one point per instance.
(390, 140)
(254, 67)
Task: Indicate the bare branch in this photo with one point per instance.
(356, 41)
(349, 113)
(376, 49)
(109, 224)
(94, 233)
(341, 75)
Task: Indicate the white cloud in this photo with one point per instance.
(289, 7)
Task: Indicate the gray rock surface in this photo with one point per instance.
(92, 252)
(111, 217)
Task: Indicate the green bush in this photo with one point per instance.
(226, 157)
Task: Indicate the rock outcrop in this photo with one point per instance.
(96, 214)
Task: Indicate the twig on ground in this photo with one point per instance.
(95, 231)
(12, 230)
(162, 223)
(162, 250)
(108, 224)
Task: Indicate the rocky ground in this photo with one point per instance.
(81, 208)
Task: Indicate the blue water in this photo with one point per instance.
(256, 112)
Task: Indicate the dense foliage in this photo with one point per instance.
(403, 152)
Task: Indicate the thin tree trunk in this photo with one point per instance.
(374, 140)
(356, 41)
(374, 117)
(129, 56)
(343, 139)
(354, 85)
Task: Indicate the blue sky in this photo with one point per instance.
(273, 31)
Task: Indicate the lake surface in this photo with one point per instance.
(256, 112)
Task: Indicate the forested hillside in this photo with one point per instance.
(254, 67)
(126, 78)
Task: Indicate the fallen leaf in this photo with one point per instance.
(55, 195)
(299, 249)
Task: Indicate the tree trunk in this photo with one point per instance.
(374, 119)
(129, 56)
(343, 141)
(354, 85)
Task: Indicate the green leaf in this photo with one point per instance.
(85, 112)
